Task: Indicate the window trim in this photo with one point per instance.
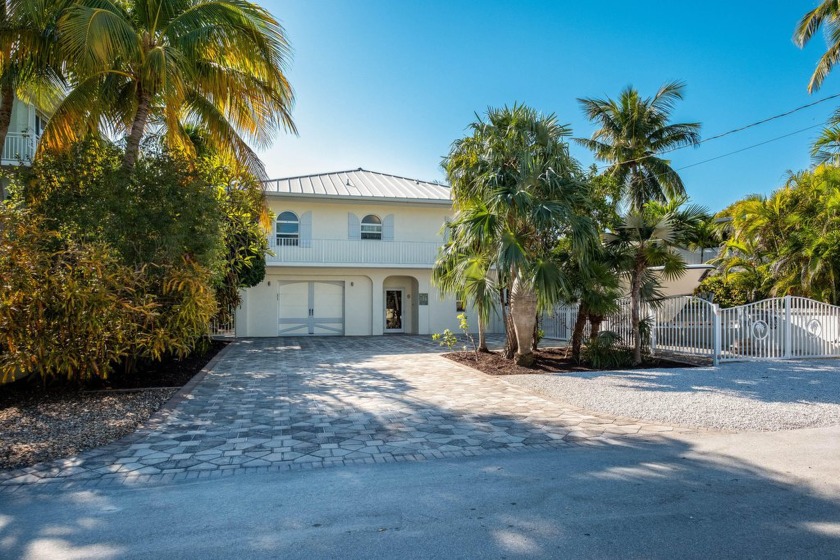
(374, 232)
(287, 239)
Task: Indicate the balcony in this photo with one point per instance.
(19, 148)
(352, 252)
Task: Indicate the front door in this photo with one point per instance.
(394, 311)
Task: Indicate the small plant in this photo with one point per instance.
(606, 352)
(464, 325)
(447, 339)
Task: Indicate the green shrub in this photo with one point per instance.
(67, 309)
(728, 291)
(605, 351)
(447, 338)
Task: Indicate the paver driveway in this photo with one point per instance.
(274, 404)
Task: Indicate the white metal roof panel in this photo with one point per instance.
(359, 183)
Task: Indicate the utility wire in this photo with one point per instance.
(736, 130)
(750, 147)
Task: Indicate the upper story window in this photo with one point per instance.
(287, 229)
(371, 227)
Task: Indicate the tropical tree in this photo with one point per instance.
(168, 64)
(648, 238)
(30, 61)
(633, 132)
(466, 273)
(704, 235)
(826, 15)
(826, 148)
(516, 192)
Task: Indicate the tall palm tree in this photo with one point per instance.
(516, 191)
(633, 132)
(826, 15)
(171, 63)
(30, 63)
(648, 238)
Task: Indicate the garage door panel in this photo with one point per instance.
(329, 300)
(294, 300)
(311, 308)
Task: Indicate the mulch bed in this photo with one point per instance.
(39, 424)
(548, 360)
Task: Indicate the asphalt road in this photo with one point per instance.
(713, 496)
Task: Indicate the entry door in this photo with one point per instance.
(394, 311)
(310, 307)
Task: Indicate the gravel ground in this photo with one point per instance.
(750, 396)
(42, 429)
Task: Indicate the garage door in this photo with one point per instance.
(310, 307)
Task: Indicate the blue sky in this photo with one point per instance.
(388, 86)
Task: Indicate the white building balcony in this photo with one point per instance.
(19, 149)
(353, 252)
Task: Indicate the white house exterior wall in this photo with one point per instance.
(412, 222)
(364, 300)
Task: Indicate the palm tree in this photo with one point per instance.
(826, 148)
(703, 236)
(466, 273)
(217, 64)
(30, 65)
(516, 191)
(633, 132)
(648, 238)
(826, 14)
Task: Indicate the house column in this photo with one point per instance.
(377, 299)
(424, 287)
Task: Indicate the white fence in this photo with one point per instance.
(224, 329)
(772, 329)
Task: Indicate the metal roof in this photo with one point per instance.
(359, 183)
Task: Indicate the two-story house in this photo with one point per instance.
(353, 255)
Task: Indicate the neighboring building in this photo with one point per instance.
(24, 132)
(353, 255)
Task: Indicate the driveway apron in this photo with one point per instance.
(286, 403)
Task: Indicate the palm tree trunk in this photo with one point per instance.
(138, 127)
(595, 325)
(523, 312)
(510, 337)
(635, 304)
(577, 332)
(536, 342)
(482, 335)
(7, 99)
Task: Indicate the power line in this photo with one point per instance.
(736, 130)
(749, 147)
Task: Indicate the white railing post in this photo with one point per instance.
(652, 317)
(716, 333)
(788, 332)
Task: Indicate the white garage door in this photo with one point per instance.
(310, 307)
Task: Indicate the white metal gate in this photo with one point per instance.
(780, 328)
(771, 329)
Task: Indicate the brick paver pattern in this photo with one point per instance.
(285, 403)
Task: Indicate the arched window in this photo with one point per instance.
(371, 227)
(287, 229)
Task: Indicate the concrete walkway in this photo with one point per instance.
(292, 403)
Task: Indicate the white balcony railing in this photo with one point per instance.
(19, 148)
(362, 252)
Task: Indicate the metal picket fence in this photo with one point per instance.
(772, 329)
